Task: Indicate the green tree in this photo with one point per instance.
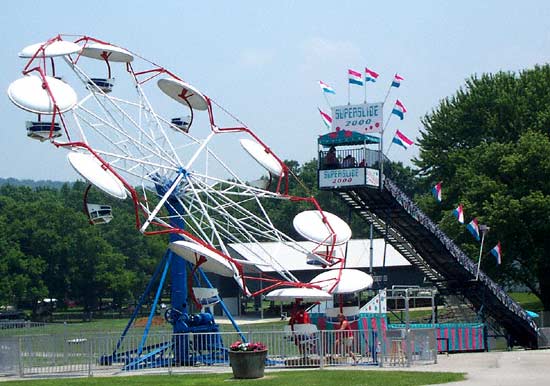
(48, 248)
(21, 280)
(489, 144)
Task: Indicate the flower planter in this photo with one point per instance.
(247, 364)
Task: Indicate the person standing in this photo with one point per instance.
(331, 161)
(344, 338)
(299, 315)
(349, 162)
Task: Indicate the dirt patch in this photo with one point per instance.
(157, 321)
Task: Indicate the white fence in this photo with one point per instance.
(86, 355)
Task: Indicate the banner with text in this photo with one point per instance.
(348, 177)
(364, 118)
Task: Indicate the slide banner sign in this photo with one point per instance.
(365, 118)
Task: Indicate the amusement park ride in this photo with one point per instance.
(118, 140)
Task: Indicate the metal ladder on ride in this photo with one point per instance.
(392, 236)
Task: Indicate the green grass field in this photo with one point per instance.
(279, 378)
(116, 326)
(528, 301)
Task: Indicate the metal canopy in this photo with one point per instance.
(346, 137)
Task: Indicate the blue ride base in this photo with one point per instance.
(195, 338)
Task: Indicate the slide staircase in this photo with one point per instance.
(426, 246)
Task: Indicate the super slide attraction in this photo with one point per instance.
(378, 200)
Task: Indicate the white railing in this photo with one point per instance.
(454, 251)
(94, 353)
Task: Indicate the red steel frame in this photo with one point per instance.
(158, 70)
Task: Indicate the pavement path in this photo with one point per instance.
(497, 368)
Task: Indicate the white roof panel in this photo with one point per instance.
(293, 260)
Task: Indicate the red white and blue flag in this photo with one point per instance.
(370, 75)
(326, 88)
(497, 252)
(401, 140)
(459, 214)
(436, 191)
(399, 109)
(397, 80)
(327, 119)
(355, 77)
(473, 227)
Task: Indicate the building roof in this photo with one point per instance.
(358, 252)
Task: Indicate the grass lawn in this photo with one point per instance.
(116, 326)
(527, 300)
(70, 329)
(279, 378)
(415, 316)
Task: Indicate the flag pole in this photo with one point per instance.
(348, 91)
(387, 94)
(484, 229)
(381, 158)
(386, 124)
(326, 99)
(365, 86)
(389, 90)
(391, 143)
(389, 147)
(384, 129)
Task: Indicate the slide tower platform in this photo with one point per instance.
(380, 202)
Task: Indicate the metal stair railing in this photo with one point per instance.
(460, 308)
(410, 207)
(393, 237)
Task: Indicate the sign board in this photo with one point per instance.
(373, 177)
(364, 118)
(341, 177)
(335, 178)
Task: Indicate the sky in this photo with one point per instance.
(262, 60)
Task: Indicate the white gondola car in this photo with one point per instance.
(41, 130)
(182, 123)
(109, 54)
(104, 84)
(99, 214)
(207, 297)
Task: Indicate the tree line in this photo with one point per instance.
(49, 250)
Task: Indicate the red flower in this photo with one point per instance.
(251, 346)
